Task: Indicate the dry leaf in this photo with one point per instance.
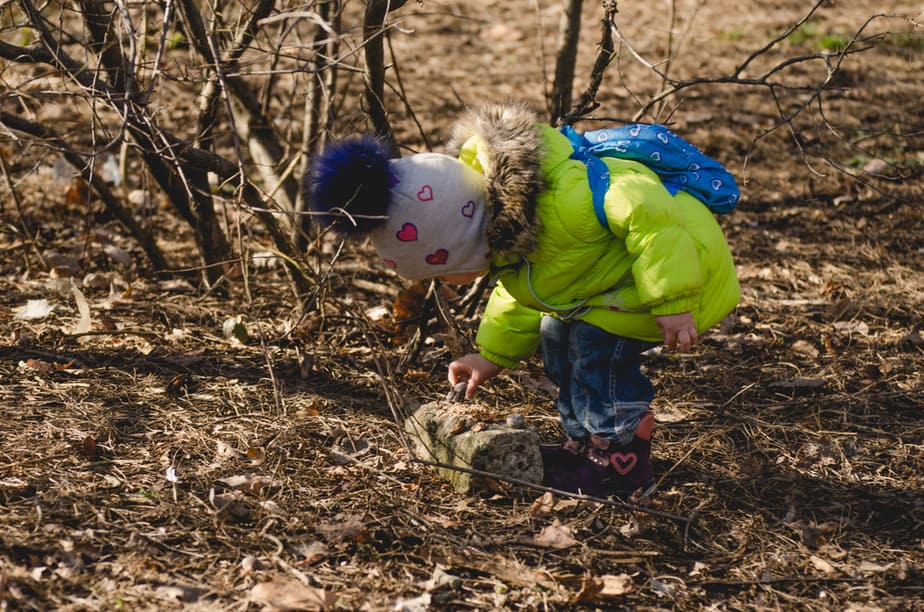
(444, 522)
(555, 536)
(458, 427)
(225, 451)
(78, 194)
(698, 568)
(42, 367)
(107, 322)
(308, 410)
(85, 323)
(590, 591)
(89, 448)
(440, 579)
(868, 567)
(256, 454)
(668, 587)
(543, 505)
(805, 348)
(234, 330)
(813, 537)
(821, 565)
(233, 270)
(235, 482)
(232, 507)
(179, 385)
(593, 590)
(348, 527)
(517, 573)
(311, 552)
(34, 309)
(282, 594)
(110, 171)
(377, 313)
(186, 593)
(272, 507)
(566, 505)
(258, 484)
(632, 527)
(409, 304)
(852, 327)
(421, 603)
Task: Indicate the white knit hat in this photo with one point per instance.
(436, 218)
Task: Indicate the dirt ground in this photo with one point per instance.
(162, 461)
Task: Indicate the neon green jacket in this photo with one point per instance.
(661, 255)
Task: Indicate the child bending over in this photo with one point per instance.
(596, 259)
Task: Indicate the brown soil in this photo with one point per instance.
(154, 463)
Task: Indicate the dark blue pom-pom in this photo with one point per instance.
(348, 183)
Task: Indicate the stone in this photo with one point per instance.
(464, 435)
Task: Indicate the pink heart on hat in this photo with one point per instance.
(425, 194)
(407, 233)
(469, 209)
(438, 258)
(391, 263)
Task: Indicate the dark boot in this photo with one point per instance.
(602, 468)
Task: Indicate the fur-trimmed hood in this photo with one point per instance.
(510, 151)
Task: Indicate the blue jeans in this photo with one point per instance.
(601, 388)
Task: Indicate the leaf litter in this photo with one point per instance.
(135, 472)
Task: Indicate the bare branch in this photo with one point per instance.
(112, 203)
(569, 35)
(322, 87)
(373, 31)
(605, 53)
(773, 42)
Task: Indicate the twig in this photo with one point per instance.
(617, 503)
(112, 203)
(605, 53)
(783, 580)
(373, 31)
(402, 94)
(471, 300)
(14, 194)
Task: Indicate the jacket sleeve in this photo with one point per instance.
(665, 259)
(508, 332)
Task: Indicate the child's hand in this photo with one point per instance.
(679, 330)
(472, 368)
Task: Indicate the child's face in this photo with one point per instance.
(460, 279)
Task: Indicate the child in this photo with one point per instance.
(595, 264)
